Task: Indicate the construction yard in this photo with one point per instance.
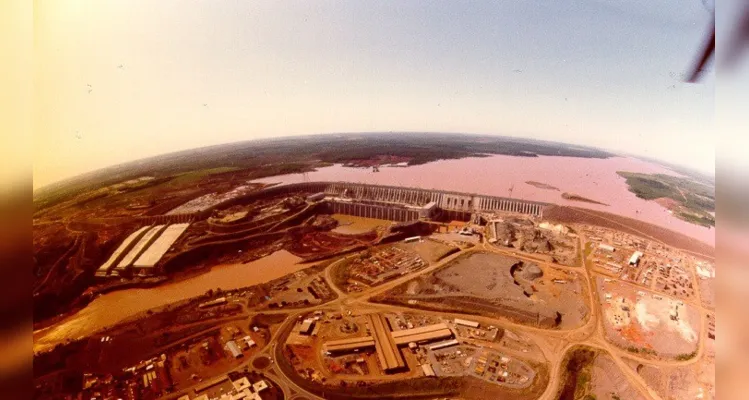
(648, 323)
(554, 243)
(376, 266)
(497, 285)
(659, 268)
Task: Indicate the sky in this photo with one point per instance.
(120, 80)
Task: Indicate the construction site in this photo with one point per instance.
(498, 286)
(436, 294)
(376, 266)
(664, 270)
(554, 243)
(647, 323)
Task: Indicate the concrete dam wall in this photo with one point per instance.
(403, 204)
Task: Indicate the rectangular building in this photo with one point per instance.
(465, 322)
(606, 247)
(442, 345)
(427, 369)
(216, 302)
(234, 349)
(148, 259)
(635, 258)
(424, 337)
(121, 251)
(419, 330)
(349, 345)
(306, 327)
(388, 354)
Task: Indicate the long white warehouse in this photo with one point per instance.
(121, 251)
(147, 261)
(139, 248)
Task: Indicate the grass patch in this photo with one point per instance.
(191, 176)
(686, 356)
(696, 200)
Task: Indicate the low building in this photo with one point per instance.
(349, 345)
(216, 302)
(234, 349)
(606, 247)
(307, 326)
(412, 239)
(259, 386)
(427, 369)
(635, 259)
(442, 345)
(465, 322)
(241, 384)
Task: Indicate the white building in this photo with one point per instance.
(465, 322)
(606, 247)
(635, 258)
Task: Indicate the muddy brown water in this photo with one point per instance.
(111, 308)
(595, 179)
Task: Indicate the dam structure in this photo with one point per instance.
(405, 204)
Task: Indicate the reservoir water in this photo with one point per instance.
(592, 178)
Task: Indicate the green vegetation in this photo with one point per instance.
(685, 357)
(310, 152)
(638, 350)
(192, 176)
(693, 200)
(577, 374)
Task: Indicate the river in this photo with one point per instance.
(592, 178)
(111, 308)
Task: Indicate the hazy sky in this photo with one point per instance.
(171, 75)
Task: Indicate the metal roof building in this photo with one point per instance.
(386, 342)
(635, 258)
(306, 326)
(442, 345)
(233, 349)
(388, 354)
(607, 247)
(424, 337)
(465, 322)
(348, 345)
